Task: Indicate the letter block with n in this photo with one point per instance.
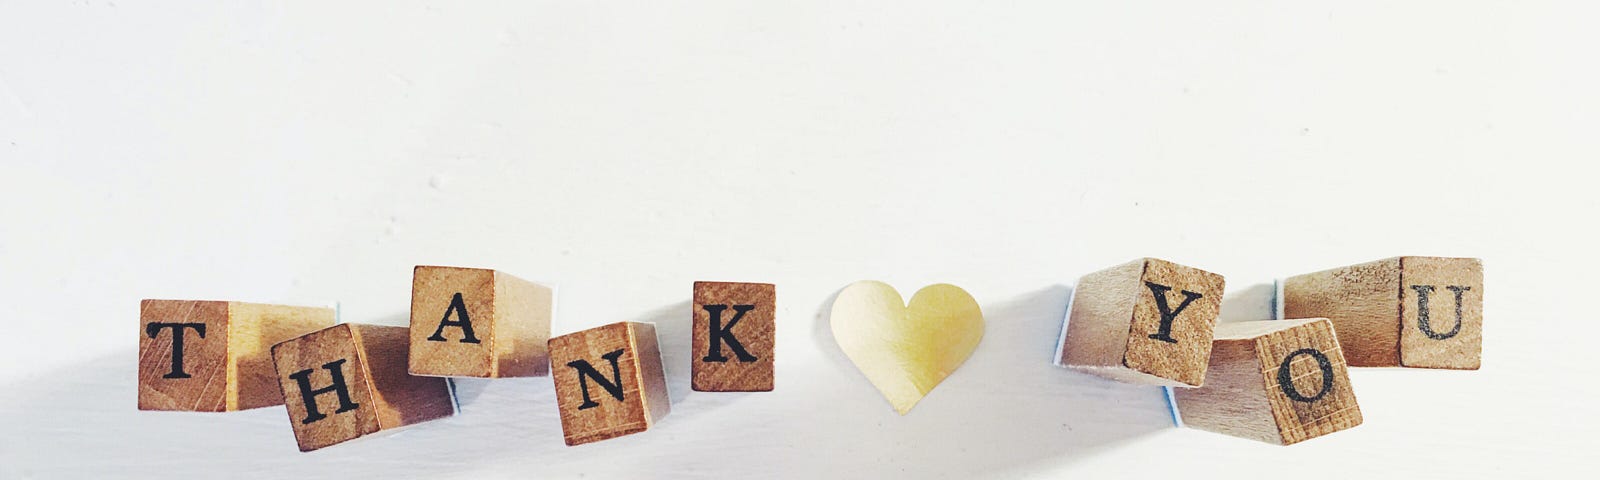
(350, 380)
(473, 322)
(210, 356)
(609, 381)
(1424, 312)
(1148, 321)
(733, 336)
(1278, 381)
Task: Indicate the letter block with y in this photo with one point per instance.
(208, 356)
(1148, 321)
(609, 381)
(733, 336)
(350, 380)
(472, 322)
(1424, 312)
(1278, 381)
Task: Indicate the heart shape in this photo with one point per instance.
(906, 350)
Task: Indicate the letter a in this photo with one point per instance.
(459, 307)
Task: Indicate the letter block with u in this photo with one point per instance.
(473, 322)
(1278, 381)
(609, 381)
(734, 326)
(1424, 312)
(349, 380)
(1148, 321)
(212, 356)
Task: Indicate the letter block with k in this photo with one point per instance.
(1148, 321)
(734, 326)
(1424, 312)
(473, 322)
(609, 381)
(211, 356)
(350, 380)
(1278, 381)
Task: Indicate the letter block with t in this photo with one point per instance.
(205, 356)
(350, 380)
(1148, 321)
(609, 381)
(1278, 381)
(1422, 312)
(472, 322)
(733, 336)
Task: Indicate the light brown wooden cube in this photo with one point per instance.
(1278, 381)
(1148, 321)
(734, 327)
(609, 381)
(209, 356)
(350, 380)
(1424, 312)
(473, 322)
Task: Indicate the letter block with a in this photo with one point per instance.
(206, 356)
(472, 322)
(733, 336)
(609, 381)
(1278, 381)
(1148, 321)
(1424, 312)
(350, 380)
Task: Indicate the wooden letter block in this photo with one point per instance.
(350, 380)
(1278, 381)
(1148, 321)
(1422, 312)
(202, 356)
(733, 336)
(609, 381)
(471, 322)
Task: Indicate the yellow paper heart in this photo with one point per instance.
(903, 350)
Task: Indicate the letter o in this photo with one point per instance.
(1286, 379)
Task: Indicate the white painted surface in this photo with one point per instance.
(314, 152)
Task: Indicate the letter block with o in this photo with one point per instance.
(734, 326)
(210, 356)
(609, 381)
(1148, 321)
(350, 380)
(1424, 312)
(1278, 381)
(473, 322)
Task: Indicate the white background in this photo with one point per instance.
(313, 152)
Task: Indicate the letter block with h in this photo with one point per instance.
(734, 325)
(1424, 312)
(210, 356)
(1278, 381)
(609, 381)
(1148, 321)
(350, 380)
(473, 322)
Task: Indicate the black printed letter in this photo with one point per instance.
(335, 369)
(587, 371)
(1422, 310)
(154, 328)
(456, 305)
(723, 334)
(1167, 315)
(1286, 379)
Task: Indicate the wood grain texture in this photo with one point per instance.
(754, 305)
(371, 362)
(625, 357)
(228, 367)
(1115, 325)
(1375, 309)
(508, 319)
(1278, 381)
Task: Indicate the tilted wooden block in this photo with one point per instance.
(472, 322)
(206, 356)
(1278, 381)
(1148, 321)
(609, 381)
(734, 325)
(1422, 312)
(350, 380)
